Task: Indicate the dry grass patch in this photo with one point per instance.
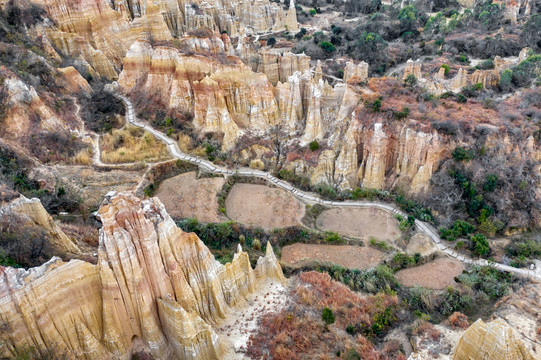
(131, 144)
(83, 157)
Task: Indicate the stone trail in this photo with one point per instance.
(312, 199)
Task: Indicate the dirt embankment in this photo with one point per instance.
(351, 257)
(263, 206)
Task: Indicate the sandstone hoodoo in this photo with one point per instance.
(384, 155)
(155, 289)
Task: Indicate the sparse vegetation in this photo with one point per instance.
(300, 330)
(130, 145)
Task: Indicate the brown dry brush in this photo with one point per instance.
(298, 332)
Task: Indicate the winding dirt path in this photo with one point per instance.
(311, 198)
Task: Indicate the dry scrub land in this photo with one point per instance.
(351, 257)
(263, 206)
(87, 182)
(185, 196)
(360, 223)
(271, 297)
(131, 144)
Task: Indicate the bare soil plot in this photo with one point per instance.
(263, 206)
(185, 196)
(362, 223)
(351, 257)
(437, 274)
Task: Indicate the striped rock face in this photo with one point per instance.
(155, 287)
(494, 340)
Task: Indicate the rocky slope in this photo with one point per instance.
(155, 289)
(437, 84)
(98, 33)
(360, 147)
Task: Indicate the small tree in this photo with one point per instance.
(480, 245)
(271, 41)
(327, 47)
(314, 145)
(376, 105)
(410, 80)
(327, 316)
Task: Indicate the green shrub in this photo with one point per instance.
(302, 32)
(462, 58)
(480, 245)
(461, 154)
(486, 279)
(327, 47)
(327, 316)
(382, 319)
(314, 145)
(414, 208)
(408, 17)
(370, 194)
(352, 354)
(332, 237)
(454, 300)
(403, 113)
(490, 183)
(506, 80)
(447, 69)
(382, 245)
(405, 224)
(402, 261)
(410, 80)
(300, 181)
(313, 12)
(271, 41)
(6, 260)
(525, 248)
(376, 105)
(149, 190)
(460, 229)
(460, 98)
(420, 299)
(326, 191)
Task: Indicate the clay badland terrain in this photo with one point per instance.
(263, 179)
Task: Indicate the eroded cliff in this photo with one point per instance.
(360, 146)
(155, 289)
(494, 340)
(99, 32)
